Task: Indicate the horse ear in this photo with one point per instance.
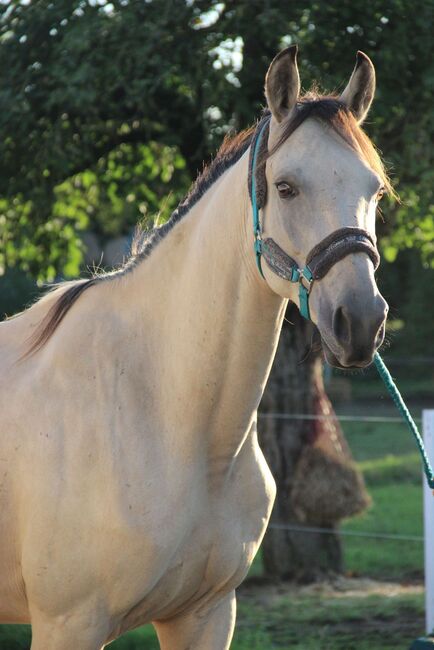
(282, 83)
(359, 93)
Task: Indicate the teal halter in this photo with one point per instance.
(318, 262)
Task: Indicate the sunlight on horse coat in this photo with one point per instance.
(132, 485)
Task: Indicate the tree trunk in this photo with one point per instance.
(317, 482)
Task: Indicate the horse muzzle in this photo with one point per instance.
(355, 332)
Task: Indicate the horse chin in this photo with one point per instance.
(330, 357)
(333, 360)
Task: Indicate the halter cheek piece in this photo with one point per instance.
(321, 258)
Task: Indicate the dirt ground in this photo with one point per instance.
(341, 614)
(259, 592)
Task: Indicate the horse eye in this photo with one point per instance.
(286, 191)
(380, 193)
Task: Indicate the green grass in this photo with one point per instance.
(371, 440)
(296, 623)
(396, 509)
(330, 623)
(387, 455)
(15, 637)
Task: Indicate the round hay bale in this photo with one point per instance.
(327, 487)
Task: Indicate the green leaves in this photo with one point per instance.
(108, 109)
(413, 227)
(132, 183)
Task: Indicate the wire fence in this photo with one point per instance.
(302, 529)
(336, 416)
(346, 533)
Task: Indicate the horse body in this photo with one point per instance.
(134, 489)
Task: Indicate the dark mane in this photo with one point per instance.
(328, 109)
(230, 151)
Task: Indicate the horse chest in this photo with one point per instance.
(220, 537)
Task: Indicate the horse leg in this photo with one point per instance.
(209, 629)
(67, 633)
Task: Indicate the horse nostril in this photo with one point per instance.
(358, 329)
(341, 325)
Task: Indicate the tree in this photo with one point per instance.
(87, 85)
(318, 483)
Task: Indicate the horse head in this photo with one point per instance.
(323, 179)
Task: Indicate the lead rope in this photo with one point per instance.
(402, 408)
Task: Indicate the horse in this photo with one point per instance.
(132, 485)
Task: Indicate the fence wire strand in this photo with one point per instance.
(345, 533)
(342, 418)
(332, 531)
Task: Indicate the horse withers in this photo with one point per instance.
(132, 486)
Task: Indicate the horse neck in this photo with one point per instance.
(214, 324)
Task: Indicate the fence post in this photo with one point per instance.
(428, 508)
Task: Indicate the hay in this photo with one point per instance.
(327, 487)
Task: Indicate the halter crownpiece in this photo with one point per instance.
(321, 258)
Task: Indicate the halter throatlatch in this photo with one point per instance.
(321, 258)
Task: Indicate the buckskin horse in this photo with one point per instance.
(132, 486)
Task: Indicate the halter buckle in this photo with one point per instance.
(306, 278)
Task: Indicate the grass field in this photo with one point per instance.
(386, 454)
(384, 612)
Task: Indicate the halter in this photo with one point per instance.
(320, 259)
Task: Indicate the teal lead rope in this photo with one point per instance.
(400, 404)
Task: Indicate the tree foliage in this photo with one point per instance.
(108, 108)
